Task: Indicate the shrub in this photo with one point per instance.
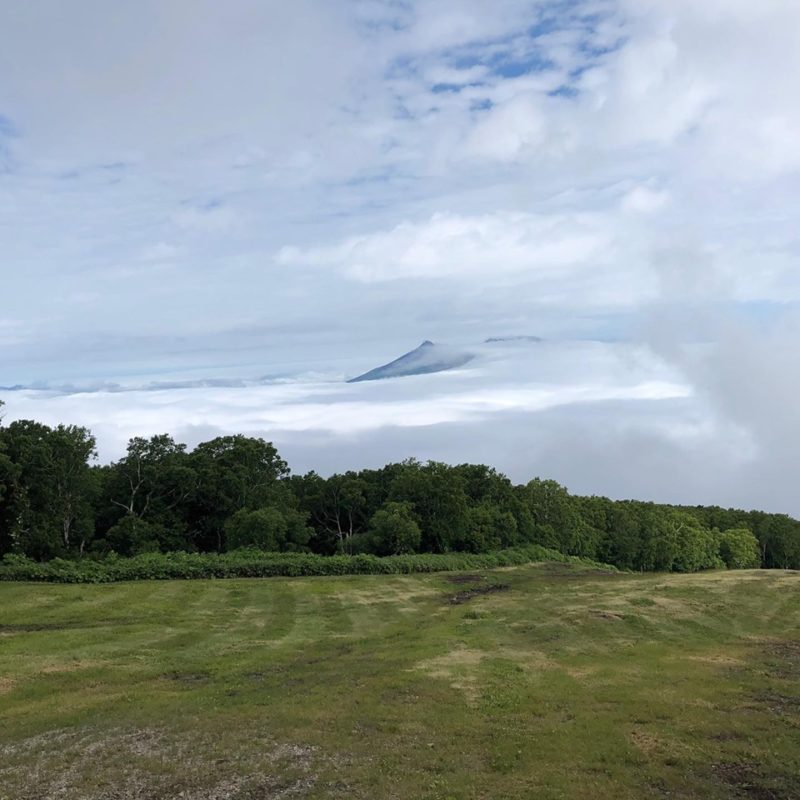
(252, 563)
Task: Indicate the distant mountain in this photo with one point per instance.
(512, 339)
(426, 358)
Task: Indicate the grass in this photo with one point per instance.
(570, 683)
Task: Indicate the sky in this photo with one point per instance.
(279, 196)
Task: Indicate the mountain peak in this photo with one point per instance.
(428, 357)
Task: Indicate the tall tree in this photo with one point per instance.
(233, 473)
(555, 516)
(50, 491)
(393, 530)
(337, 508)
(149, 487)
(8, 477)
(437, 494)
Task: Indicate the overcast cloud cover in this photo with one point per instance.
(301, 191)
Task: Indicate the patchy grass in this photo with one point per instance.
(569, 683)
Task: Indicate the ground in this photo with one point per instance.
(547, 681)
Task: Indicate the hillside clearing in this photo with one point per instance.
(566, 682)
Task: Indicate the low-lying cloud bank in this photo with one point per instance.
(602, 418)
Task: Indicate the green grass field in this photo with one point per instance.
(546, 681)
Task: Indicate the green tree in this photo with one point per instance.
(394, 530)
(488, 528)
(267, 529)
(738, 548)
(8, 479)
(48, 495)
(621, 544)
(437, 493)
(151, 484)
(131, 536)
(555, 516)
(73, 448)
(232, 473)
(780, 539)
(697, 547)
(337, 509)
(658, 539)
(264, 529)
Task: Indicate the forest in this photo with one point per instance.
(236, 492)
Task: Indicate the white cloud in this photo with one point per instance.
(643, 200)
(518, 127)
(450, 245)
(432, 168)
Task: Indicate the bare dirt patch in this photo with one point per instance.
(747, 780)
(783, 657)
(777, 703)
(788, 649)
(727, 736)
(471, 594)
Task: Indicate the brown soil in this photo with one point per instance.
(470, 594)
(747, 780)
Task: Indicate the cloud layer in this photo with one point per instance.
(201, 190)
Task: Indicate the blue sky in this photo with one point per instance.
(307, 189)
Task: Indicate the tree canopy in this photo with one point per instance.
(236, 491)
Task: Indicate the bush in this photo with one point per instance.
(131, 536)
(251, 563)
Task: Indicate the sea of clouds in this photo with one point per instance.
(212, 214)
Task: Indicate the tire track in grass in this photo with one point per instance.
(386, 602)
(279, 603)
(83, 627)
(334, 610)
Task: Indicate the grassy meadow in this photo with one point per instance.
(541, 681)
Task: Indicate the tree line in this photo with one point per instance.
(236, 491)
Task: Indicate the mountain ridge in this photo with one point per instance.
(427, 358)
